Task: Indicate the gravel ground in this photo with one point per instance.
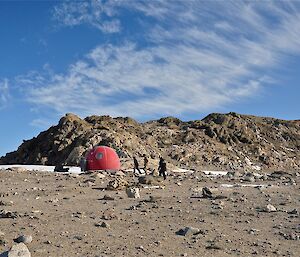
(66, 215)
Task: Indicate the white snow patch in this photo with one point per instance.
(215, 173)
(179, 170)
(42, 168)
(243, 185)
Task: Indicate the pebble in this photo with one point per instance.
(133, 192)
(294, 211)
(102, 225)
(187, 231)
(26, 239)
(269, 208)
(8, 214)
(108, 198)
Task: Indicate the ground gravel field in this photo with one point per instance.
(75, 215)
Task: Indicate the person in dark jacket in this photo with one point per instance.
(162, 168)
(136, 166)
(145, 163)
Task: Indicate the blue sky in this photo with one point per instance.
(145, 59)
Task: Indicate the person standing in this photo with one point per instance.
(162, 168)
(136, 165)
(145, 163)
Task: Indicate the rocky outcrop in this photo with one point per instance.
(221, 140)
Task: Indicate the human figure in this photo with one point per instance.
(83, 164)
(136, 166)
(162, 168)
(145, 163)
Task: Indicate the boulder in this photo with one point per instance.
(17, 250)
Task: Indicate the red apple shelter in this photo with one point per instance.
(102, 158)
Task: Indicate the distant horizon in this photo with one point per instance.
(145, 60)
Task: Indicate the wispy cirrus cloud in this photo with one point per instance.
(195, 56)
(96, 13)
(4, 93)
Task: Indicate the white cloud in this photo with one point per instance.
(97, 13)
(119, 81)
(4, 93)
(201, 55)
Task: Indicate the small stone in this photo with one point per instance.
(269, 208)
(294, 211)
(187, 231)
(108, 198)
(8, 214)
(133, 192)
(102, 225)
(26, 239)
(78, 237)
(206, 193)
(253, 231)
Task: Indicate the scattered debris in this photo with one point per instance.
(117, 184)
(290, 236)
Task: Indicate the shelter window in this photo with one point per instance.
(99, 156)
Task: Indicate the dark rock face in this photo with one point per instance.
(221, 140)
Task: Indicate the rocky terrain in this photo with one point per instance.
(45, 214)
(224, 141)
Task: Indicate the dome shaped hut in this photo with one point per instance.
(102, 158)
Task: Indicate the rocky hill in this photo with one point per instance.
(230, 140)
